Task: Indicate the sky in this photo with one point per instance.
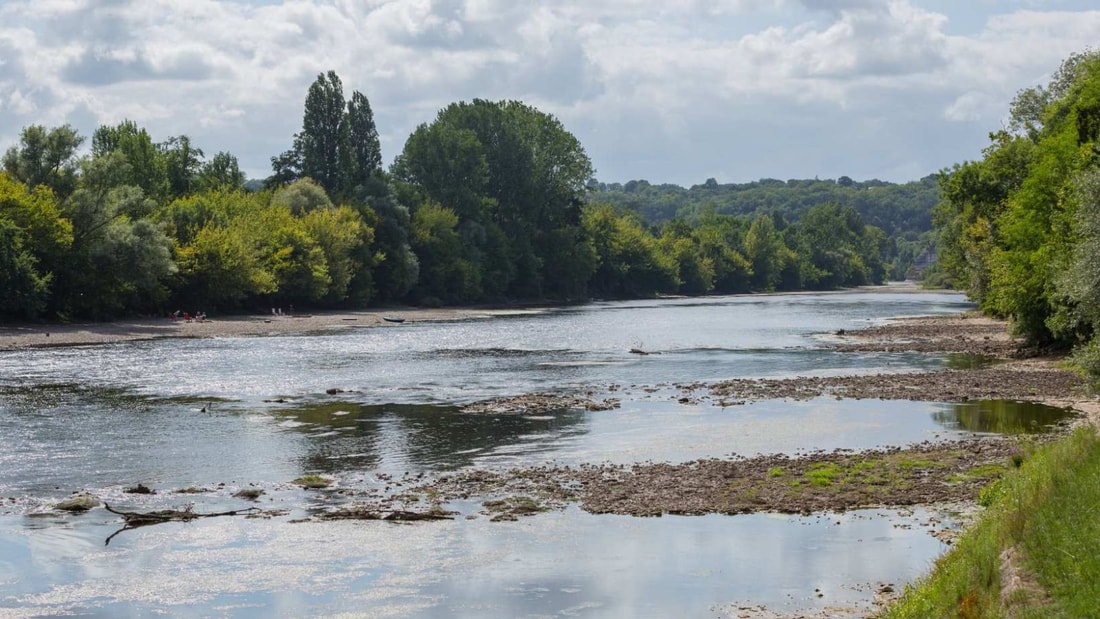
(672, 92)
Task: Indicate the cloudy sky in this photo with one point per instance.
(674, 91)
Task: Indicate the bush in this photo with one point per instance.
(1087, 359)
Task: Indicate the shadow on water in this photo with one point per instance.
(1001, 417)
(404, 437)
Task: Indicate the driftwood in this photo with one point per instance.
(134, 520)
(393, 516)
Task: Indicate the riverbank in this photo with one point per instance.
(28, 335)
(36, 335)
(1034, 551)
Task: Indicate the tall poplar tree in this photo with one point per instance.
(363, 152)
(338, 145)
(323, 132)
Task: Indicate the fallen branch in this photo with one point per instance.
(140, 519)
(167, 515)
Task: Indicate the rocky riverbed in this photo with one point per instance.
(928, 473)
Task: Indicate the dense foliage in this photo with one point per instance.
(491, 201)
(901, 210)
(1020, 229)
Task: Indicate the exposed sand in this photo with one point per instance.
(14, 336)
(34, 335)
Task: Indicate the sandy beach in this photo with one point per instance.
(36, 335)
(15, 336)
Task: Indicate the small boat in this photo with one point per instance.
(393, 319)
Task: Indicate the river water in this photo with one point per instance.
(218, 415)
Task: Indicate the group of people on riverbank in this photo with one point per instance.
(198, 316)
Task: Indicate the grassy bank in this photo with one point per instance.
(1036, 550)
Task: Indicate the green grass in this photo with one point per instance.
(1049, 511)
(986, 471)
(823, 474)
(909, 463)
(312, 482)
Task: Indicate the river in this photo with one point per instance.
(362, 404)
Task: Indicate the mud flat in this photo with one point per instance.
(927, 473)
(833, 481)
(969, 333)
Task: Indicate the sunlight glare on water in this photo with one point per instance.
(212, 416)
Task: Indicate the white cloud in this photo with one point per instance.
(735, 89)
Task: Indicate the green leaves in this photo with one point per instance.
(1015, 227)
(338, 146)
(506, 167)
(45, 157)
(25, 288)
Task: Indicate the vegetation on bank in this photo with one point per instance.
(903, 211)
(1020, 229)
(1035, 551)
(489, 202)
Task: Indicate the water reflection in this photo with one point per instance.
(396, 438)
(969, 361)
(264, 410)
(1001, 416)
(557, 564)
(410, 437)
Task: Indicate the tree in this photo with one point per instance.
(302, 197)
(222, 171)
(448, 165)
(45, 157)
(340, 232)
(182, 163)
(1009, 225)
(445, 275)
(221, 268)
(765, 250)
(720, 238)
(287, 166)
(396, 268)
(630, 263)
(363, 150)
(324, 132)
(1031, 105)
(221, 248)
(148, 168)
(44, 231)
(695, 271)
(834, 249)
(338, 146)
(25, 289)
(507, 165)
(120, 262)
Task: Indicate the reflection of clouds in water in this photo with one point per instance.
(107, 435)
(622, 566)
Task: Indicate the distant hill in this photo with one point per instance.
(903, 210)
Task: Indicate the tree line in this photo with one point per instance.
(488, 202)
(1020, 228)
(902, 211)
(899, 209)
